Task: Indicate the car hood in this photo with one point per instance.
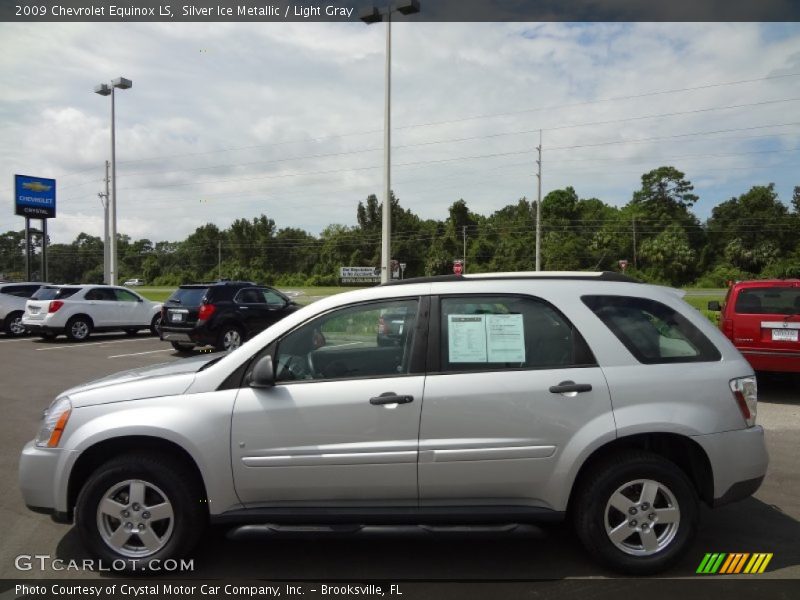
(163, 379)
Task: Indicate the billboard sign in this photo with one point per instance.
(34, 197)
(360, 274)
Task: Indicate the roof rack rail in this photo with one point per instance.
(563, 275)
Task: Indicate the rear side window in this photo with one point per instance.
(768, 301)
(480, 333)
(653, 332)
(188, 296)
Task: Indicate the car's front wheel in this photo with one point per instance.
(155, 324)
(140, 508)
(13, 324)
(636, 512)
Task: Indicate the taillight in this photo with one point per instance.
(55, 305)
(381, 326)
(745, 391)
(727, 328)
(206, 310)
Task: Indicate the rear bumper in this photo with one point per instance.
(739, 461)
(187, 336)
(772, 360)
(37, 327)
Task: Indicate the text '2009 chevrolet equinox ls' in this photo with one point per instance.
(506, 398)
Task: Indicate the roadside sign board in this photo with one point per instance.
(360, 274)
(458, 267)
(34, 197)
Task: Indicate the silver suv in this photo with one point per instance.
(504, 398)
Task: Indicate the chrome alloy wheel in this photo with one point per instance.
(135, 518)
(642, 517)
(232, 339)
(16, 327)
(80, 330)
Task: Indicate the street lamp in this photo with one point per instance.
(105, 89)
(369, 16)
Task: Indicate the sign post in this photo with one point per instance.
(35, 198)
(623, 264)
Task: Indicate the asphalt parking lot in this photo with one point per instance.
(33, 371)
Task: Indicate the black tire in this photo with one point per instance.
(79, 328)
(228, 336)
(165, 480)
(13, 324)
(181, 347)
(594, 493)
(155, 325)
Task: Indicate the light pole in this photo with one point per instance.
(369, 16)
(105, 89)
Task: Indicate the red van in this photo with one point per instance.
(762, 319)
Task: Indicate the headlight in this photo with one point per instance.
(55, 419)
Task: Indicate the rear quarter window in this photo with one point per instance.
(653, 332)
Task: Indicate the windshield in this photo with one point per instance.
(769, 301)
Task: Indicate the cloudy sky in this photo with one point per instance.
(234, 120)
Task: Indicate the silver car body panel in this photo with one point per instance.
(484, 438)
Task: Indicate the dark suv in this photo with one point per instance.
(222, 314)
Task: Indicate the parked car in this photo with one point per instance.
(762, 319)
(79, 310)
(12, 305)
(134, 282)
(222, 314)
(496, 407)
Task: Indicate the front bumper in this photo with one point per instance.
(739, 461)
(39, 475)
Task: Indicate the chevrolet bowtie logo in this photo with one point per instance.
(36, 186)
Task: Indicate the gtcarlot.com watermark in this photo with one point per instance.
(45, 562)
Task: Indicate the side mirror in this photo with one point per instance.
(714, 305)
(263, 374)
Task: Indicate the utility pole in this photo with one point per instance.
(106, 241)
(539, 206)
(219, 259)
(464, 263)
(634, 242)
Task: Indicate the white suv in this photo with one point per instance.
(78, 310)
(498, 399)
(12, 305)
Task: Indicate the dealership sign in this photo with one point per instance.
(34, 197)
(360, 274)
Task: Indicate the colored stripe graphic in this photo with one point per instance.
(728, 564)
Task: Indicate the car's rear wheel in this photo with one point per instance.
(13, 324)
(230, 338)
(155, 325)
(636, 512)
(140, 508)
(180, 347)
(79, 329)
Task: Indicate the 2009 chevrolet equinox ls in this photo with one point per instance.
(504, 398)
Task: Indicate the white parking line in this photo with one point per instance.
(87, 344)
(16, 340)
(139, 353)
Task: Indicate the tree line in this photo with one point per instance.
(656, 232)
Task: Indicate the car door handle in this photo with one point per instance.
(391, 398)
(570, 386)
